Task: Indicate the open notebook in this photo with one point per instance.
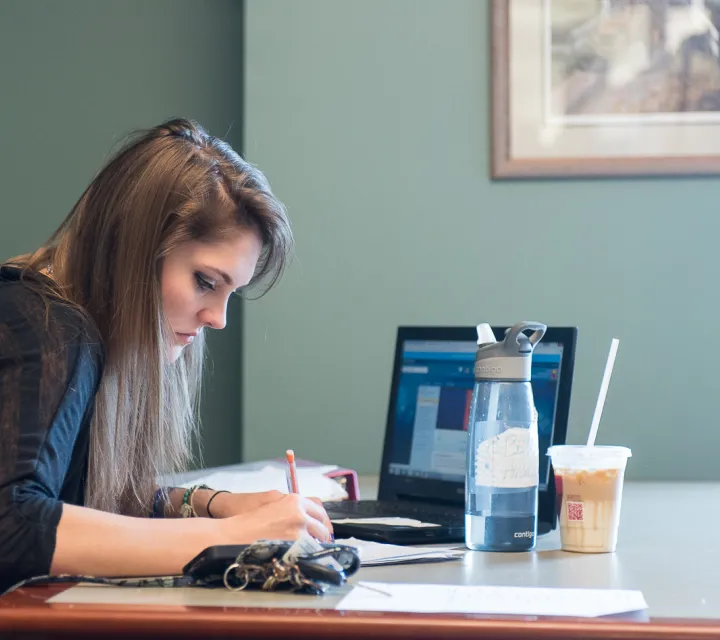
(313, 481)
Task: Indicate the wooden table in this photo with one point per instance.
(667, 550)
(26, 614)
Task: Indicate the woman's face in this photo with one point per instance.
(198, 279)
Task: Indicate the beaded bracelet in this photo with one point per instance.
(186, 508)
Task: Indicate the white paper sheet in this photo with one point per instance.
(374, 554)
(428, 598)
(312, 482)
(392, 522)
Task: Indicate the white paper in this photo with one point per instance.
(391, 522)
(374, 554)
(429, 598)
(312, 482)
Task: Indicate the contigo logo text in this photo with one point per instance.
(486, 368)
(523, 534)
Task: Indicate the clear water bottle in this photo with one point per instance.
(501, 479)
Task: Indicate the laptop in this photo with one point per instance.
(423, 463)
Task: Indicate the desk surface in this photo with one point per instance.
(665, 550)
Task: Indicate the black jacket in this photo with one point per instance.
(50, 368)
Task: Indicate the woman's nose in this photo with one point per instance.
(215, 316)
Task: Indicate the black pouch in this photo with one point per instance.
(303, 566)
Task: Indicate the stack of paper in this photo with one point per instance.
(373, 554)
(390, 521)
(435, 598)
(312, 482)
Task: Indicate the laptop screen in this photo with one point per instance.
(433, 402)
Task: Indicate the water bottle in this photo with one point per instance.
(501, 479)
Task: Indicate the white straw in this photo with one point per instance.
(603, 392)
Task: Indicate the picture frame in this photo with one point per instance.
(603, 88)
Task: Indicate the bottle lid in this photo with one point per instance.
(510, 359)
(485, 334)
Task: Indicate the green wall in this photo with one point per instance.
(77, 75)
(371, 120)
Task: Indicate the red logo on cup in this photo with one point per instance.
(575, 511)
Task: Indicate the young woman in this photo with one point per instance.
(101, 349)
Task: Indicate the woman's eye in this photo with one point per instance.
(203, 283)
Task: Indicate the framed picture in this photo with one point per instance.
(605, 87)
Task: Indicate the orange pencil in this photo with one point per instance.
(292, 472)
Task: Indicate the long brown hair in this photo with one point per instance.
(168, 185)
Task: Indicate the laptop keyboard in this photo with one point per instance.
(376, 509)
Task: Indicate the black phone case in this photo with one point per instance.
(263, 564)
(211, 563)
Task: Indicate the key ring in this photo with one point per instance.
(235, 566)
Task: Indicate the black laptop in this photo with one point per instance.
(423, 464)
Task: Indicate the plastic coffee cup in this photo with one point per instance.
(589, 486)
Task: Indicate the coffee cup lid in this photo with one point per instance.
(580, 453)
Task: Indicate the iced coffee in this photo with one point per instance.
(589, 486)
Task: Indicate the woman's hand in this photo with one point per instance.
(285, 518)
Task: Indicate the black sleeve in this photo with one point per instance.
(49, 371)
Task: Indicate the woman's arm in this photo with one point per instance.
(91, 542)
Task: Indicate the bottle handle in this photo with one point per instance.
(538, 329)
